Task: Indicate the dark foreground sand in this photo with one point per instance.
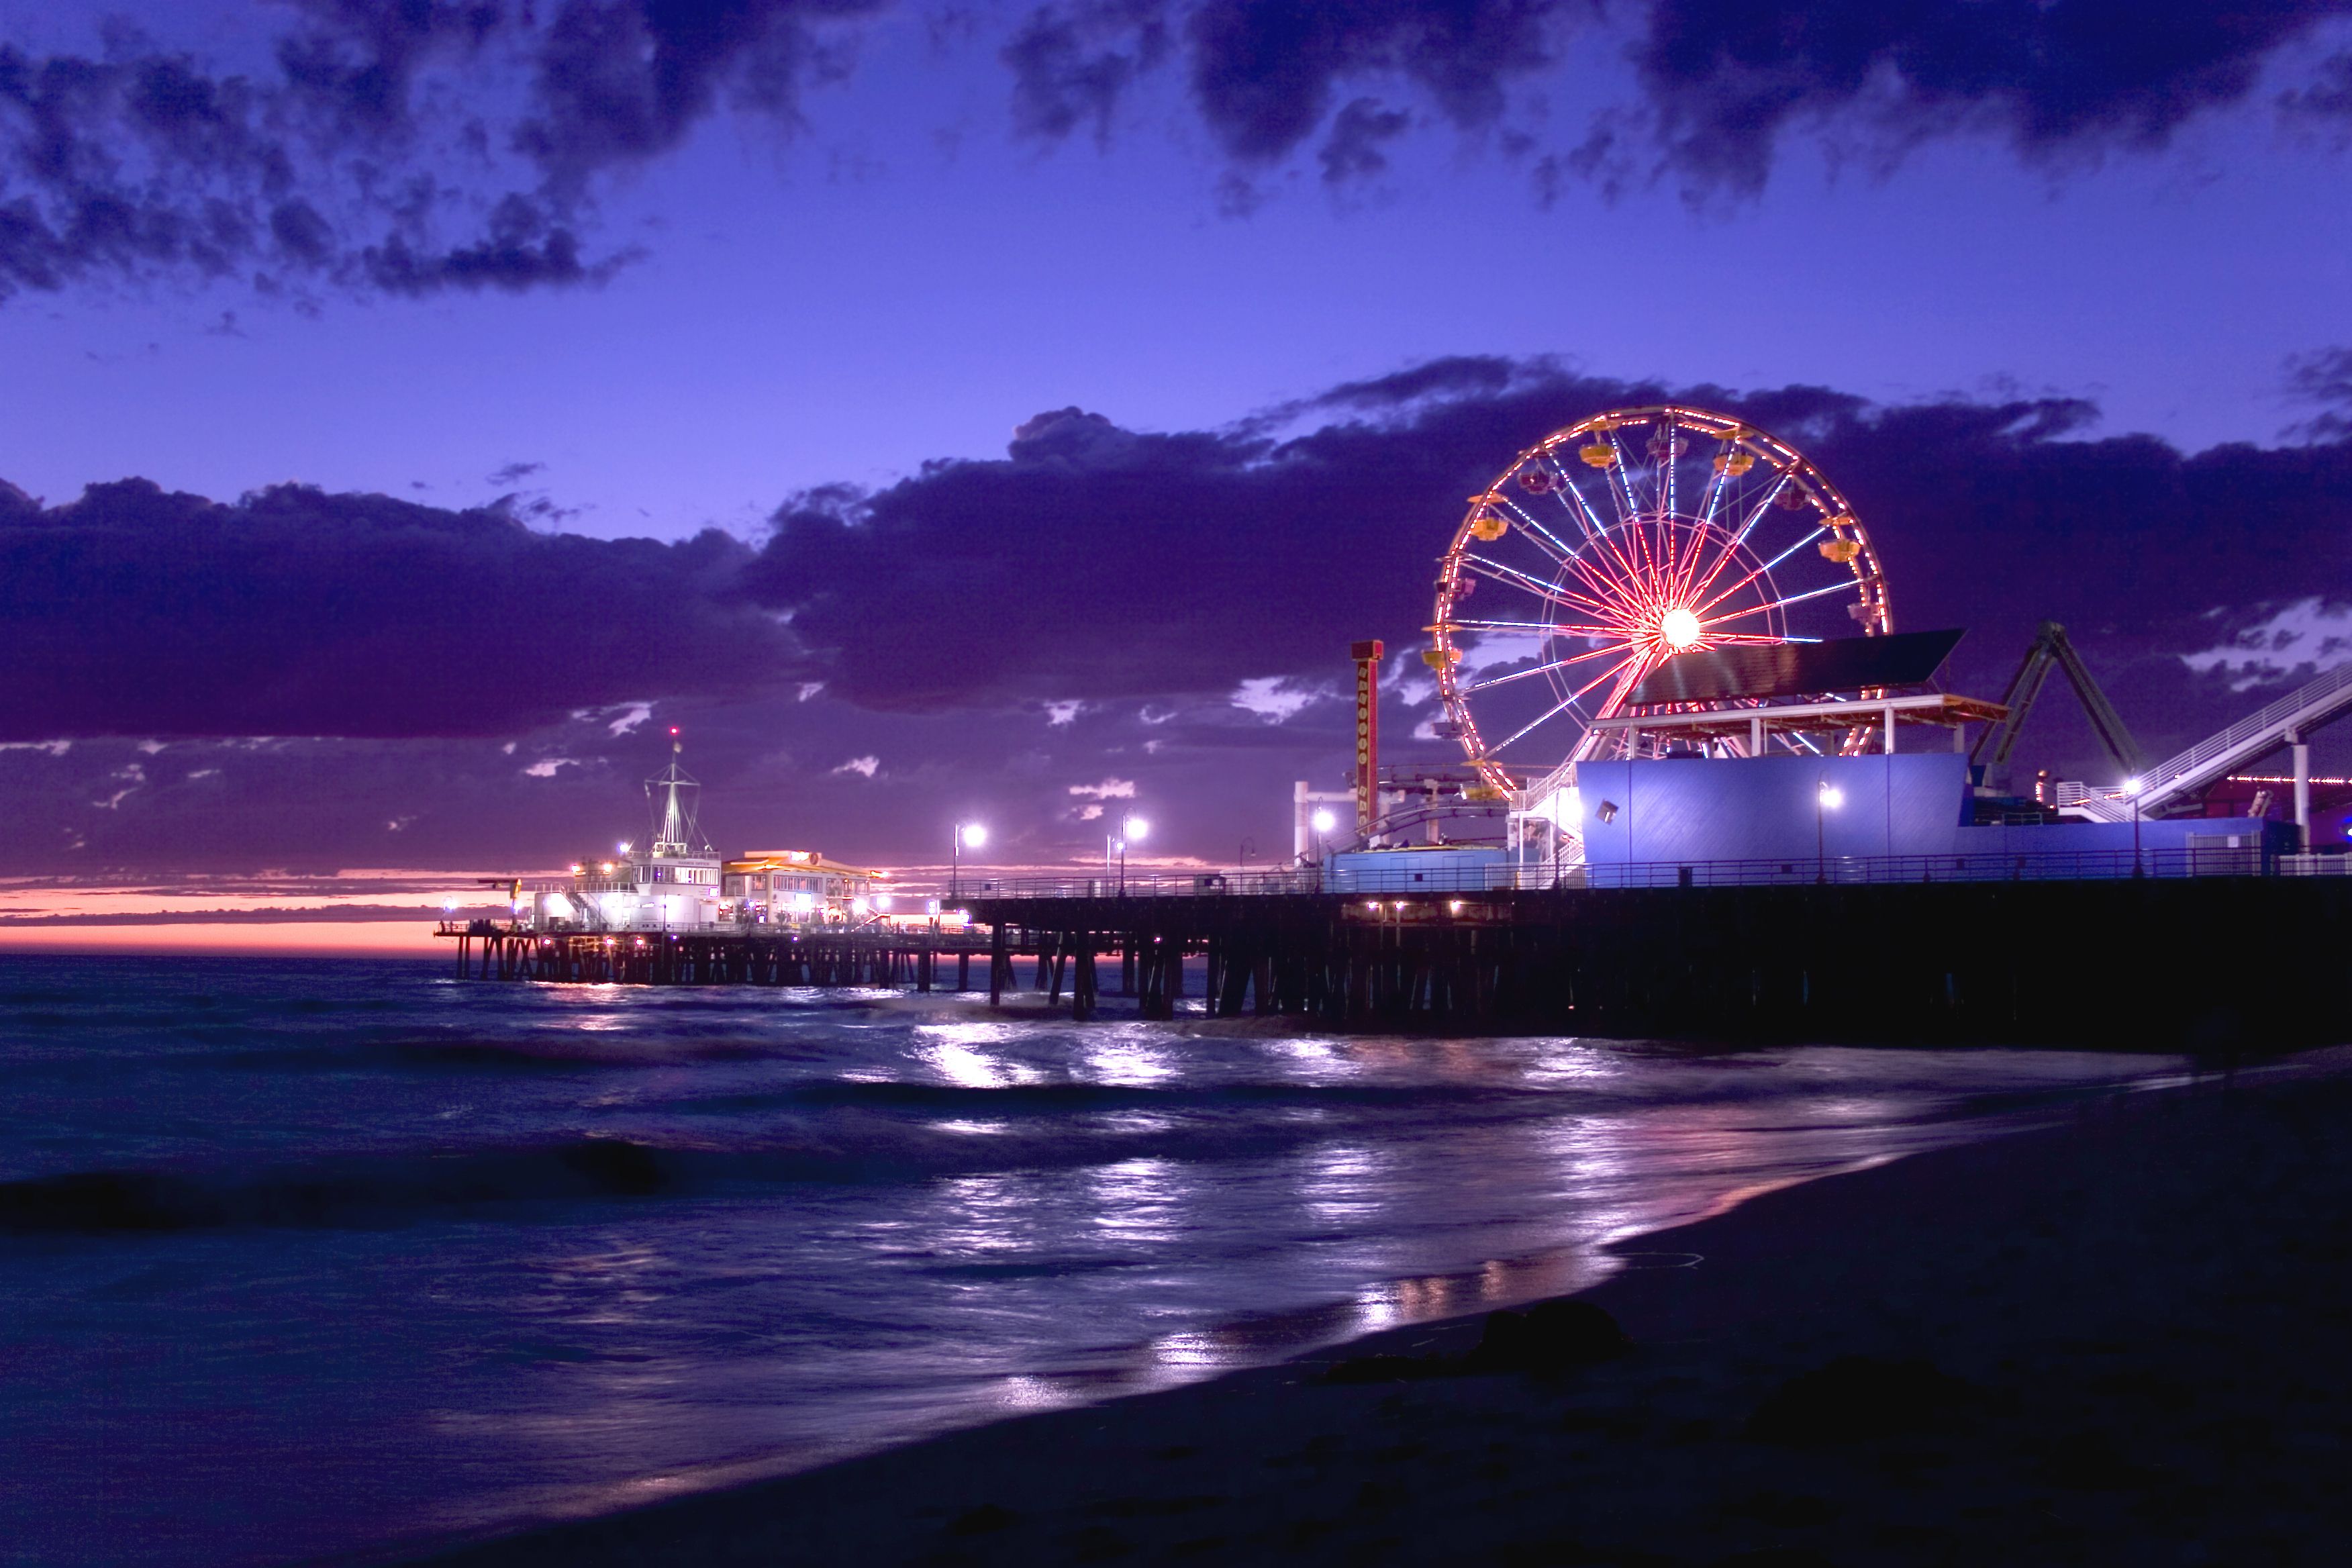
(2140, 1341)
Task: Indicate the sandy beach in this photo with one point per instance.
(2122, 1341)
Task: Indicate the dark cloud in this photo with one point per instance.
(2327, 99)
(1728, 77)
(141, 163)
(1095, 561)
(1718, 85)
(1264, 72)
(573, 788)
(136, 612)
(1098, 562)
(417, 147)
(996, 633)
(386, 148)
(355, 63)
(620, 81)
(2323, 379)
(1352, 151)
(1072, 63)
(522, 250)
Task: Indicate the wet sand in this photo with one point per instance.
(2127, 1341)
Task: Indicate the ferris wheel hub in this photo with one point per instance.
(1679, 627)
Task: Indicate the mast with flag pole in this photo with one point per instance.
(675, 832)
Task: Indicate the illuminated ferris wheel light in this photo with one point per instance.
(1617, 544)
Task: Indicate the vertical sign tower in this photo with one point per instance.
(1367, 656)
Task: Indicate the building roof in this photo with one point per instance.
(1797, 669)
(801, 860)
(1834, 716)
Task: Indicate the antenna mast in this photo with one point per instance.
(674, 831)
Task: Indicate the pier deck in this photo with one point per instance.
(761, 955)
(2156, 963)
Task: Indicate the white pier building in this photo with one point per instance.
(678, 882)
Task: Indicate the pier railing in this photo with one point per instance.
(2100, 865)
(1142, 885)
(946, 939)
(2076, 866)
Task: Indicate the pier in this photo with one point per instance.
(2162, 961)
(2151, 963)
(505, 949)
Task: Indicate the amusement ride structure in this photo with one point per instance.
(1617, 542)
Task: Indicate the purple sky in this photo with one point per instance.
(2017, 274)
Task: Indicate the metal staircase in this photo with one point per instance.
(2214, 758)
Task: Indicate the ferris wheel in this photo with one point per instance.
(1616, 544)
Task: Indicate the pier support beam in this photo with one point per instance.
(2302, 751)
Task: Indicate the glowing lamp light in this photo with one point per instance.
(2131, 787)
(1136, 830)
(1831, 797)
(1323, 819)
(974, 835)
(625, 847)
(1680, 627)
(882, 900)
(1561, 806)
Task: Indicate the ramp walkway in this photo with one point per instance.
(2214, 758)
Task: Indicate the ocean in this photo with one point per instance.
(335, 1259)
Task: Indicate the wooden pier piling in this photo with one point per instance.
(2207, 963)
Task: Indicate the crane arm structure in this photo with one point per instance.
(2051, 646)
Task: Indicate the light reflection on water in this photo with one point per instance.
(728, 1233)
(1126, 1054)
(961, 1064)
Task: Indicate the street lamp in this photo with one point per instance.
(1323, 823)
(2131, 788)
(967, 835)
(1827, 798)
(1136, 830)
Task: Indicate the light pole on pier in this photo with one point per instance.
(2132, 788)
(967, 835)
(1134, 830)
(1827, 797)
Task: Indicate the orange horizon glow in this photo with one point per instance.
(355, 913)
(242, 939)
